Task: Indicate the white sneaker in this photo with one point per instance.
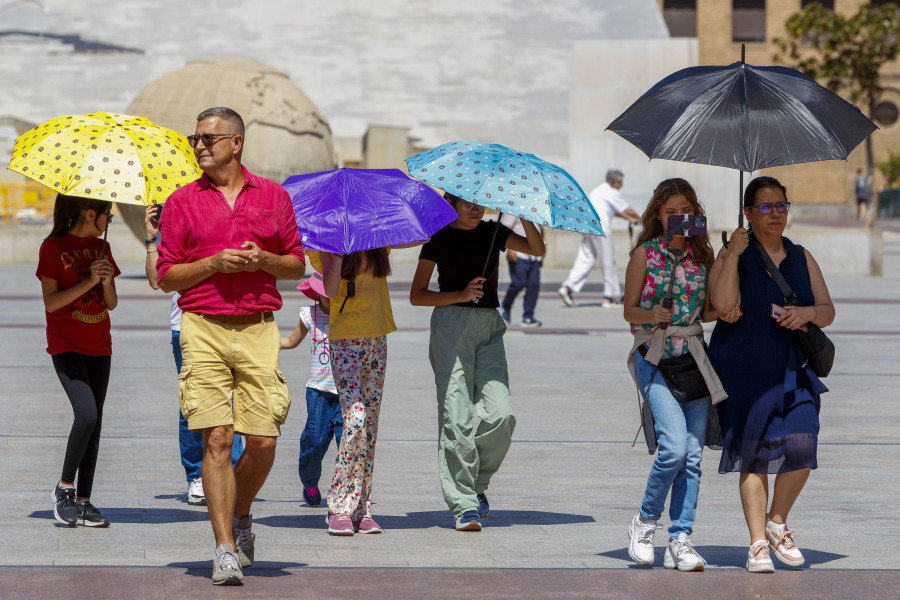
(758, 560)
(681, 555)
(640, 536)
(566, 294)
(783, 546)
(195, 495)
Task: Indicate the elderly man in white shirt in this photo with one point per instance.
(608, 203)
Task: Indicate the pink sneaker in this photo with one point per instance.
(783, 547)
(367, 525)
(340, 525)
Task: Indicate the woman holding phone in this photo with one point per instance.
(664, 332)
(770, 423)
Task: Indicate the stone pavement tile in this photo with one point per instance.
(291, 582)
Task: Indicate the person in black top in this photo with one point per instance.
(467, 354)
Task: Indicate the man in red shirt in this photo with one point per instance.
(225, 238)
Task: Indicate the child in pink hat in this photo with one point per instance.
(323, 406)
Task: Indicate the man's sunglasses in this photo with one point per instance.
(765, 209)
(208, 138)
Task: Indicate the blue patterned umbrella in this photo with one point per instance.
(508, 181)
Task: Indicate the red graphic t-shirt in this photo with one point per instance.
(83, 325)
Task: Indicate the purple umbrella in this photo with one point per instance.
(350, 210)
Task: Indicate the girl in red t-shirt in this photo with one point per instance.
(77, 274)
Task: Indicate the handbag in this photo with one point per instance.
(682, 375)
(815, 346)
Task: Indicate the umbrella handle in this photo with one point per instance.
(490, 249)
(724, 238)
(105, 232)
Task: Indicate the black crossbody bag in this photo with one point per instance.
(813, 343)
(682, 375)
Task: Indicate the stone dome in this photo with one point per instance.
(285, 132)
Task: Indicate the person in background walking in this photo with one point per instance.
(467, 354)
(77, 274)
(524, 273)
(861, 187)
(323, 405)
(190, 442)
(608, 202)
(770, 422)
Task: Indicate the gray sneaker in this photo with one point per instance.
(243, 539)
(226, 569)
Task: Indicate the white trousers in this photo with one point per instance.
(593, 247)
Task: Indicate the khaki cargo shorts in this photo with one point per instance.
(224, 361)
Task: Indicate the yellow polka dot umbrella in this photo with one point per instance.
(106, 156)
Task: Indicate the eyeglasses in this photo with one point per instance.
(765, 209)
(468, 207)
(208, 138)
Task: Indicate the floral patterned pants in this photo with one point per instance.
(358, 368)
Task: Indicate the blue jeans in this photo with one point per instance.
(323, 422)
(680, 432)
(191, 442)
(524, 274)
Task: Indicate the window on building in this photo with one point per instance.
(748, 20)
(681, 17)
(826, 4)
(883, 2)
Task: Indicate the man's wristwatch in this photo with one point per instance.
(150, 241)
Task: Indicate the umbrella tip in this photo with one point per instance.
(743, 50)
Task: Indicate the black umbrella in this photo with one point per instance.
(742, 117)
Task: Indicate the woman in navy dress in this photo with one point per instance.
(770, 421)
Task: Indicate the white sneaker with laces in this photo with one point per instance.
(782, 545)
(681, 555)
(195, 495)
(758, 560)
(640, 536)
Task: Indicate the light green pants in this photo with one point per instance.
(469, 364)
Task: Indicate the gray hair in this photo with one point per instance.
(614, 176)
(226, 114)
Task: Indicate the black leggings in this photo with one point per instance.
(84, 378)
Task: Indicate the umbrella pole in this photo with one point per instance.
(105, 232)
(741, 202)
(490, 249)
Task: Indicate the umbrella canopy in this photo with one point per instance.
(508, 181)
(106, 156)
(742, 117)
(350, 210)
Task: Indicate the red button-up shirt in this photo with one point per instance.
(197, 222)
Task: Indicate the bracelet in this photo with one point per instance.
(148, 241)
(151, 250)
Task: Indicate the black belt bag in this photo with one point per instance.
(682, 375)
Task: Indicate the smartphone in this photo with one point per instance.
(159, 209)
(777, 311)
(686, 225)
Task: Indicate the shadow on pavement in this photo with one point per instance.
(260, 568)
(730, 556)
(434, 518)
(140, 515)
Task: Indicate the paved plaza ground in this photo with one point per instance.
(560, 504)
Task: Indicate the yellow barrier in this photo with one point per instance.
(20, 200)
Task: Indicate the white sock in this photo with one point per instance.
(777, 527)
(66, 486)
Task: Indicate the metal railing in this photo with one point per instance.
(22, 201)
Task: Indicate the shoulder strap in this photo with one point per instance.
(786, 291)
